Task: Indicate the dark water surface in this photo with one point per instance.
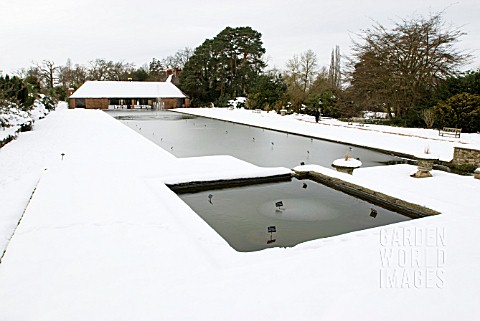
(242, 215)
(187, 136)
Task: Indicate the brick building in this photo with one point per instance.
(128, 94)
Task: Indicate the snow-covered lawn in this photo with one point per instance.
(103, 238)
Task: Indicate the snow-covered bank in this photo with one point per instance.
(407, 141)
(95, 140)
(13, 120)
(103, 238)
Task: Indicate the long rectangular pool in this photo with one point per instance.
(257, 217)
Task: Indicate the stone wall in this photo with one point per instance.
(466, 156)
(375, 197)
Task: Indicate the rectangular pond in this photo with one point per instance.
(250, 218)
(189, 136)
(308, 211)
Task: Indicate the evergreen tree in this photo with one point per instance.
(156, 71)
(14, 90)
(268, 92)
(459, 111)
(224, 67)
(468, 83)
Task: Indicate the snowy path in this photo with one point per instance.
(104, 239)
(95, 140)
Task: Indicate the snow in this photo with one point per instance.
(38, 111)
(213, 168)
(12, 118)
(426, 156)
(127, 89)
(351, 162)
(237, 102)
(103, 238)
(375, 115)
(11, 121)
(8, 132)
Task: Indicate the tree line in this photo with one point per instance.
(48, 78)
(411, 72)
(405, 71)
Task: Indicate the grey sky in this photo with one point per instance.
(137, 31)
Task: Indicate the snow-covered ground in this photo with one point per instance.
(103, 238)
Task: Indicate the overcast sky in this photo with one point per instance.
(138, 30)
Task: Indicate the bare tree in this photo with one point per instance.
(80, 74)
(71, 76)
(308, 68)
(301, 73)
(178, 60)
(397, 70)
(48, 73)
(322, 82)
(429, 117)
(100, 69)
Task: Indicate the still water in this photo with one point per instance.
(187, 136)
(310, 211)
(243, 215)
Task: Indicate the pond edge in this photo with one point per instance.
(386, 201)
(199, 186)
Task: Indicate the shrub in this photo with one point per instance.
(459, 111)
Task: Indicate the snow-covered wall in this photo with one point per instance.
(466, 156)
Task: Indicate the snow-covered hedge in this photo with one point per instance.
(41, 107)
(375, 115)
(11, 115)
(238, 102)
(14, 120)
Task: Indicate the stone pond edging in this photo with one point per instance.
(198, 186)
(378, 198)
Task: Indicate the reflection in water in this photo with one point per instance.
(257, 217)
(189, 136)
(244, 216)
